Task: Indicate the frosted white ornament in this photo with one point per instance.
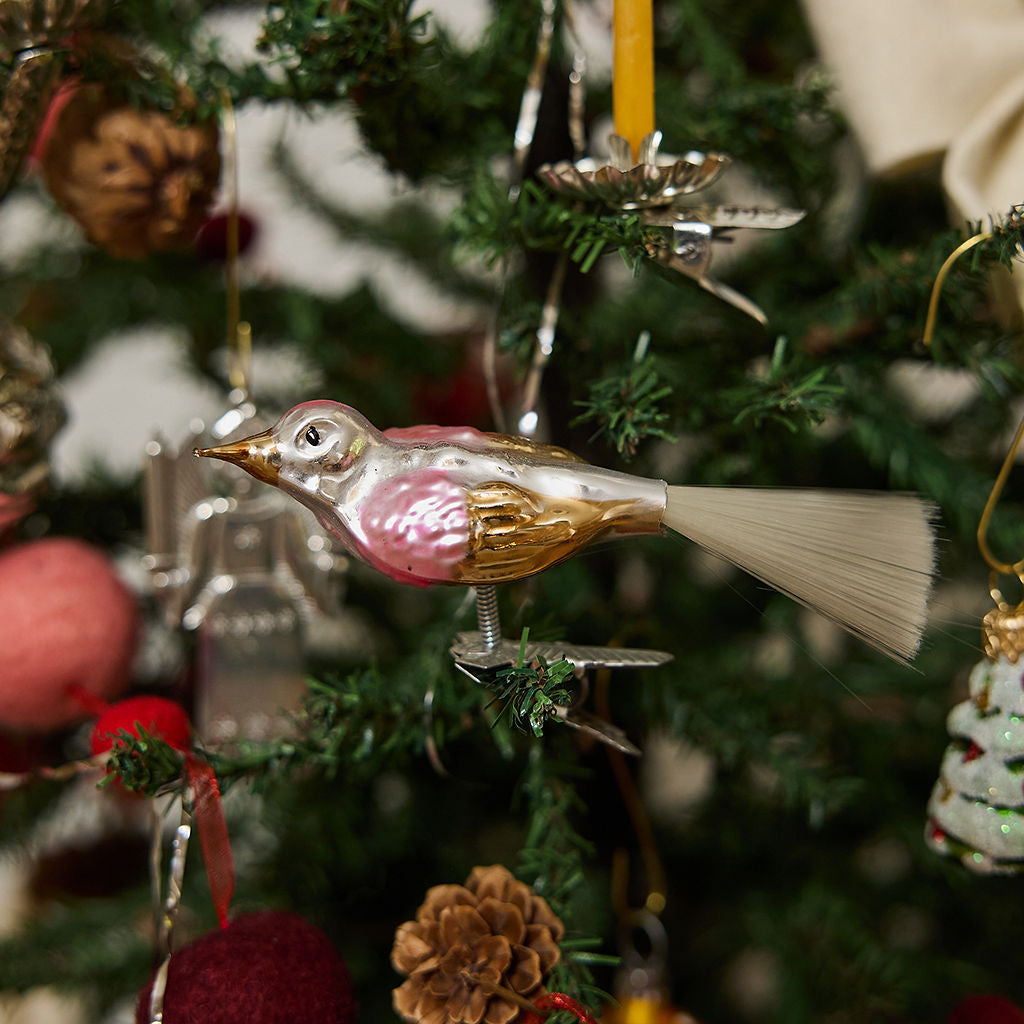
(976, 810)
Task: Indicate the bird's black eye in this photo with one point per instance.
(313, 436)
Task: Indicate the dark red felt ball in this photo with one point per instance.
(157, 715)
(270, 967)
(985, 1009)
(212, 239)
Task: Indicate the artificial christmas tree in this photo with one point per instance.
(408, 248)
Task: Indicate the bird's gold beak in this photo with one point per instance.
(257, 455)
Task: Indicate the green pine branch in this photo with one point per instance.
(552, 861)
(627, 407)
(532, 694)
(143, 762)
(491, 224)
(796, 398)
(325, 51)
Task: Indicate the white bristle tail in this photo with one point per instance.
(864, 559)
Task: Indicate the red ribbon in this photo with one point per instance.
(87, 700)
(213, 834)
(552, 1001)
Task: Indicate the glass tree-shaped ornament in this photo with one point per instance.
(976, 810)
(246, 570)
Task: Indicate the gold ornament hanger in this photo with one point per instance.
(1003, 626)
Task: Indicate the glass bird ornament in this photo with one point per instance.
(453, 505)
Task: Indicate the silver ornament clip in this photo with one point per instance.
(658, 187)
(486, 650)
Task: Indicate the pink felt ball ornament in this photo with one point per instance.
(270, 967)
(67, 626)
(159, 716)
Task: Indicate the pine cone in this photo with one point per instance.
(494, 931)
(33, 54)
(34, 24)
(24, 94)
(32, 61)
(135, 180)
(30, 411)
(30, 414)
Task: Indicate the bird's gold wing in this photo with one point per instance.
(514, 445)
(514, 532)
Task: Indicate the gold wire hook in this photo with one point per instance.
(239, 333)
(940, 277)
(657, 882)
(998, 567)
(1004, 568)
(654, 902)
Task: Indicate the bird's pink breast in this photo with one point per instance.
(415, 527)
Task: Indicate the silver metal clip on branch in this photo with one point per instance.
(486, 650)
(658, 188)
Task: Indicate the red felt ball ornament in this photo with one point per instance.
(13, 508)
(212, 239)
(461, 396)
(270, 967)
(157, 715)
(985, 1009)
(67, 624)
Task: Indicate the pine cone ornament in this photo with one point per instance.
(32, 57)
(30, 414)
(24, 92)
(136, 180)
(34, 24)
(470, 942)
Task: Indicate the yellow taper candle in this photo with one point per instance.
(633, 81)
